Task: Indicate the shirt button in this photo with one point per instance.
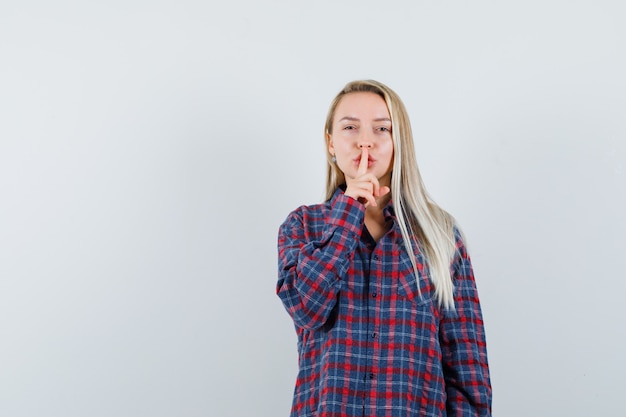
(372, 376)
(374, 294)
(375, 257)
(373, 335)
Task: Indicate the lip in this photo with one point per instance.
(370, 161)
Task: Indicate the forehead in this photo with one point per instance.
(362, 105)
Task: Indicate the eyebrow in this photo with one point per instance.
(355, 119)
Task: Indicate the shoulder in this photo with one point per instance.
(461, 263)
(307, 214)
(319, 212)
(460, 241)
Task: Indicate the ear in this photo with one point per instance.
(329, 142)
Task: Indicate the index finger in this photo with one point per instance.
(363, 162)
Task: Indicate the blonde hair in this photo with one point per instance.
(423, 224)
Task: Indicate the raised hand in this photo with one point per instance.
(365, 186)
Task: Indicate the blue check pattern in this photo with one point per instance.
(371, 343)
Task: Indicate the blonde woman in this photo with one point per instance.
(378, 281)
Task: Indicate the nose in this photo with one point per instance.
(365, 139)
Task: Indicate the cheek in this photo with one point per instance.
(391, 156)
(389, 151)
(342, 146)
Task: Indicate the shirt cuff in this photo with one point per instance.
(348, 213)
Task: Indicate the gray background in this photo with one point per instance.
(150, 150)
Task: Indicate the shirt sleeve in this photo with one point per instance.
(463, 344)
(310, 271)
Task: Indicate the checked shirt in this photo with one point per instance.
(370, 343)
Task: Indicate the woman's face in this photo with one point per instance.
(362, 120)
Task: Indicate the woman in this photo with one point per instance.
(378, 281)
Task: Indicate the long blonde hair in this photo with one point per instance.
(423, 224)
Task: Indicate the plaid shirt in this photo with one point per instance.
(369, 344)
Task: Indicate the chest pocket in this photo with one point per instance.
(418, 290)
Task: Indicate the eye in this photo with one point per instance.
(349, 127)
(384, 129)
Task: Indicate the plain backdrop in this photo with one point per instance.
(149, 150)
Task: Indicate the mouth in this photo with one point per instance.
(370, 160)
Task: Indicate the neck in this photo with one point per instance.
(381, 202)
(377, 211)
(375, 219)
